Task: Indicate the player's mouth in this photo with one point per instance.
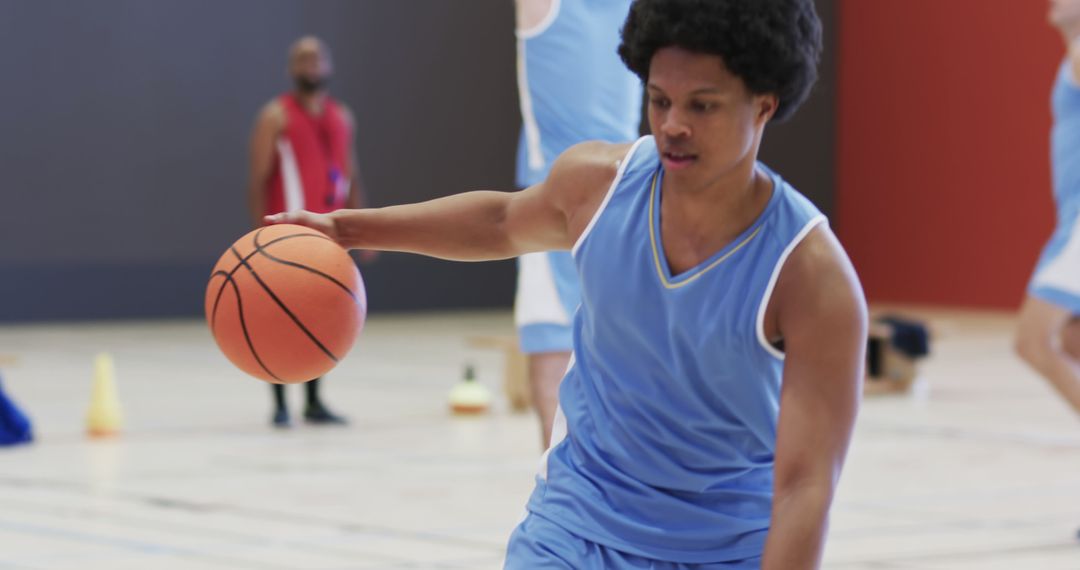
(675, 160)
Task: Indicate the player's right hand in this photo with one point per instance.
(321, 222)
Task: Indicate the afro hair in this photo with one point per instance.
(772, 45)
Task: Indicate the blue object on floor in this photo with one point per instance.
(14, 425)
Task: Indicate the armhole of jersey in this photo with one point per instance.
(607, 198)
(292, 185)
(760, 325)
(283, 106)
(545, 23)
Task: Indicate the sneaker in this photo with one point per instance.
(281, 419)
(319, 415)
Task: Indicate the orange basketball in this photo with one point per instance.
(285, 303)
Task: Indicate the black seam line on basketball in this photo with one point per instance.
(272, 242)
(262, 249)
(249, 256)
(281, 304)
(243, 327)
(213, 313)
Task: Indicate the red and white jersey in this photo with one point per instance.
(311, 163)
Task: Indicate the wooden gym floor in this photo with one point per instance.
(977, 468)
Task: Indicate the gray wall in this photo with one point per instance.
(803, 150)
(126, 123)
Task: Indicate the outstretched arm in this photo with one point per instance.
(483, 225)
(474, 226)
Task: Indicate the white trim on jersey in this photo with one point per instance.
(1063, 271)
(607, 198)
(558, 430)
(760, 326)
(543, 25)
(537, 300)
(291, 186)
(528, 116)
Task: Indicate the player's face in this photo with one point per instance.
(705, 120)
(310, 64)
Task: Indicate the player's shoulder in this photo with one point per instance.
(580, 178)
(272, 113)
(818, 251)
(345, 112)
(818, 273)
(592, 163)
(598, 152)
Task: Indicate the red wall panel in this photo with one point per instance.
(943, 184)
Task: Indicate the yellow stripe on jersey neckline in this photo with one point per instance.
(658, 255)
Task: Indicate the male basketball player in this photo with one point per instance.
(1048, 336)
(719, 346)
(572, 89)
(302, 158)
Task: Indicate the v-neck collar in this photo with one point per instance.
(663, 268)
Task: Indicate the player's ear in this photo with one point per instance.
(766, 106)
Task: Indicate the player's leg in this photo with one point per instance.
(547, 297)
(316, 412)
(280, 417)
(1045, 335)
(1070, 343)
(1070, 337)
(546, 371)
(1040, 332)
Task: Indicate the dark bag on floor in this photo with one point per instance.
(909, 337)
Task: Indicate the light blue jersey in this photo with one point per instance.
(572, 84)
(1057, 275)
(573, 88)
(1065, 140)
(665, 439)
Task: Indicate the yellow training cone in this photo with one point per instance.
(469, 397)
(104, 418)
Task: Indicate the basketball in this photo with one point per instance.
(285, 303)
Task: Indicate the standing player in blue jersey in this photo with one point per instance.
(572, 89)
(719, 346)
(1048, 336)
